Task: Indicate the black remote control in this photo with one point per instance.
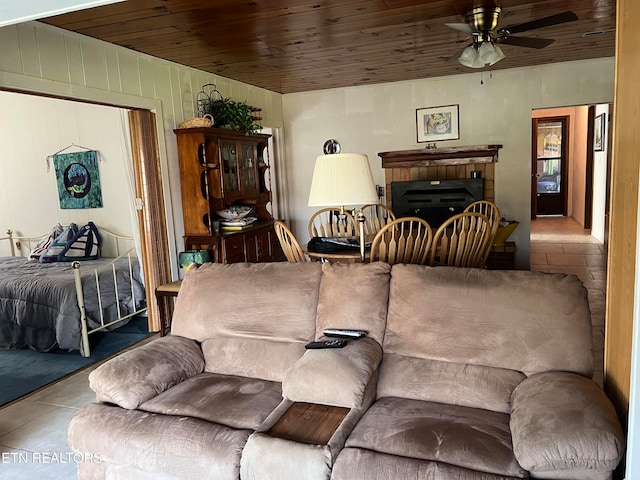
(326, 344)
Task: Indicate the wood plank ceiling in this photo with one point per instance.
(300, 45)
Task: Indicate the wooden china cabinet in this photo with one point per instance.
(220, 168)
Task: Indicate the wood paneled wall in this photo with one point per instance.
(624, 210)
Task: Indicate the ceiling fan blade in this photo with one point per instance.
(525, 41)
(461, 27)
(539, 23)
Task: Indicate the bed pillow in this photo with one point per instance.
(74, 244)
(85, 245)
(53, 252)
(45, 242)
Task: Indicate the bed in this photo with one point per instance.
(44, 306)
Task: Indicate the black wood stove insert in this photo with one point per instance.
(434, 200)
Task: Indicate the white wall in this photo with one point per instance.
(35, 127)
(378, 118)
(40, 58)
(600, 179)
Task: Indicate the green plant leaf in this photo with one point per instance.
(237, 115)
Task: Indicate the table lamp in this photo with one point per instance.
(343, 179)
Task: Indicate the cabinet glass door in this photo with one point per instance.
(249, 172)
(230, 168)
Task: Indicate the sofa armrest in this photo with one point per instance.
(140, 374)
(334, 376)
(563, 421)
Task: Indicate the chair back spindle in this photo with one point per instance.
(492, 212)
(289, 244)
(462, 241)
(332, 222)
(404, 240)
(376, 216)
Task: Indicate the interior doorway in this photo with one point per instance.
(581, 160)
(69, 123)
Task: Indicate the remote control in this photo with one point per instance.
(326, 344)
(344, 333)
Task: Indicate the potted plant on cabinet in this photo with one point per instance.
(228, 113)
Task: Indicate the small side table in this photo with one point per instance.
(309, 423)
(502, 257)
(164, 296)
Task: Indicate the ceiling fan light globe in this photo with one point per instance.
(470, 58)
(499, 55)
(487, 52)
(477, 63)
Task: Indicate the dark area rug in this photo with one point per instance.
(24, 371)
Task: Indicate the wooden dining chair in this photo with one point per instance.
(332, 222)
(461, 241)
(289, 244)
(492, 212)
(376, 216)
(404, 240)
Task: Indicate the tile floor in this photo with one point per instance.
(559, 244)
(33, 430)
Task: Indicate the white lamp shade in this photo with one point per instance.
(342, 179)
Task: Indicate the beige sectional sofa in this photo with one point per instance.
(465, 374)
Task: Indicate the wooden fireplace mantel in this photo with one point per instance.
(429, 157)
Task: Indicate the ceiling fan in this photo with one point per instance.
(481, 23)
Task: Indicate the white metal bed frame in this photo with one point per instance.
(17, 242)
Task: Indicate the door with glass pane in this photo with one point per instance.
(549, 194)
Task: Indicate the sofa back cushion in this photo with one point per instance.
(354, 296)
(497, 321)
(253, 319)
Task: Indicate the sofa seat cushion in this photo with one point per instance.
(360, 464)
(469, 438)
(178, 447)
(236, 402)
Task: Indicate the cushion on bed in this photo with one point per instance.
(45, 242)
(74, 244)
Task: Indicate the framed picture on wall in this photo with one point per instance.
(598, 133)
(435, 124)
